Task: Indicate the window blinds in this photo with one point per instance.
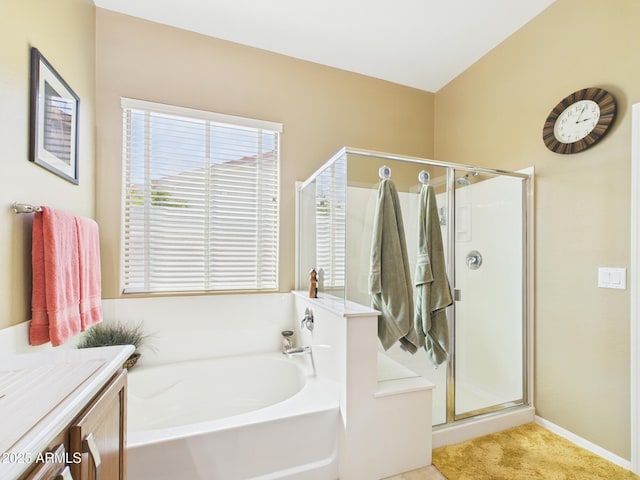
(200, 200)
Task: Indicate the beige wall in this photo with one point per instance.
(64, 33)
(492, 115)
(322, 109)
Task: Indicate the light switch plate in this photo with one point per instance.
(612, 278)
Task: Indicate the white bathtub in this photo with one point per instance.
(246, 417)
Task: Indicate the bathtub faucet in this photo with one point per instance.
(298, 351)
(295, 351)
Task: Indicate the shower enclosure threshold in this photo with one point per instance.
(467, 429)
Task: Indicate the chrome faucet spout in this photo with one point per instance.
(298, 351)
(294, 351)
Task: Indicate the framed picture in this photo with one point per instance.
(54, 120)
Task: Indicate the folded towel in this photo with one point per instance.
(432, 284)
(56, 288)
(89, 272)
(389, 274)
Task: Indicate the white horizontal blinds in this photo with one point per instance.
(243, 206)
(200, 200)
(331, 224)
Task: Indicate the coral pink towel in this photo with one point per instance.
(57, 257)
(90, 276)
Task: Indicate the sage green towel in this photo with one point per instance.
(433, 294)
(389, 273)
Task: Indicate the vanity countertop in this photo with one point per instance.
(41, 393)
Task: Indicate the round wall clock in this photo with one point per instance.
(579, 120)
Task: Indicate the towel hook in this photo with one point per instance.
(384, 172)
(423, 177)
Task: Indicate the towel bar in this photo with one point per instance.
(21, 207)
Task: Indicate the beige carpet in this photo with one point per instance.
(527, 452)
(426, 473)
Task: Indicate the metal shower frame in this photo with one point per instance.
(527, 269)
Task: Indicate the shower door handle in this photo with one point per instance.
(473, 260)
(457, 294)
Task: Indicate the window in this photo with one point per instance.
(200, 200)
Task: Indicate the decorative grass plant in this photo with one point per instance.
(106, 334)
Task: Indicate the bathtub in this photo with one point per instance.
(246, 417)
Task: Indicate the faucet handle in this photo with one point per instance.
(307, 320)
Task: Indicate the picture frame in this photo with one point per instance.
(53, 142)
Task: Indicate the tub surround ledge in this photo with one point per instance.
(337, 305)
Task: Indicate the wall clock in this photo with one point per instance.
(579, 120)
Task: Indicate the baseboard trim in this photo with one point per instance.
(581, 442)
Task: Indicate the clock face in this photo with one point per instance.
(577, 121)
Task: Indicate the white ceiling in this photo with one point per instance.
(418, 43)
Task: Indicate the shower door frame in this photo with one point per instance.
(527, 176)
(527, 273)
(527, 295)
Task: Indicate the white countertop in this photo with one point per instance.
(41, 393)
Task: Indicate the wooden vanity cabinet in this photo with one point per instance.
(99, 434)
(93, 446)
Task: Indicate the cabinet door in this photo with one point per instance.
(100, 434)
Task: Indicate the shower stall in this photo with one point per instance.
(485, 220)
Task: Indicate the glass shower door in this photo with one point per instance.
(489, 287)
